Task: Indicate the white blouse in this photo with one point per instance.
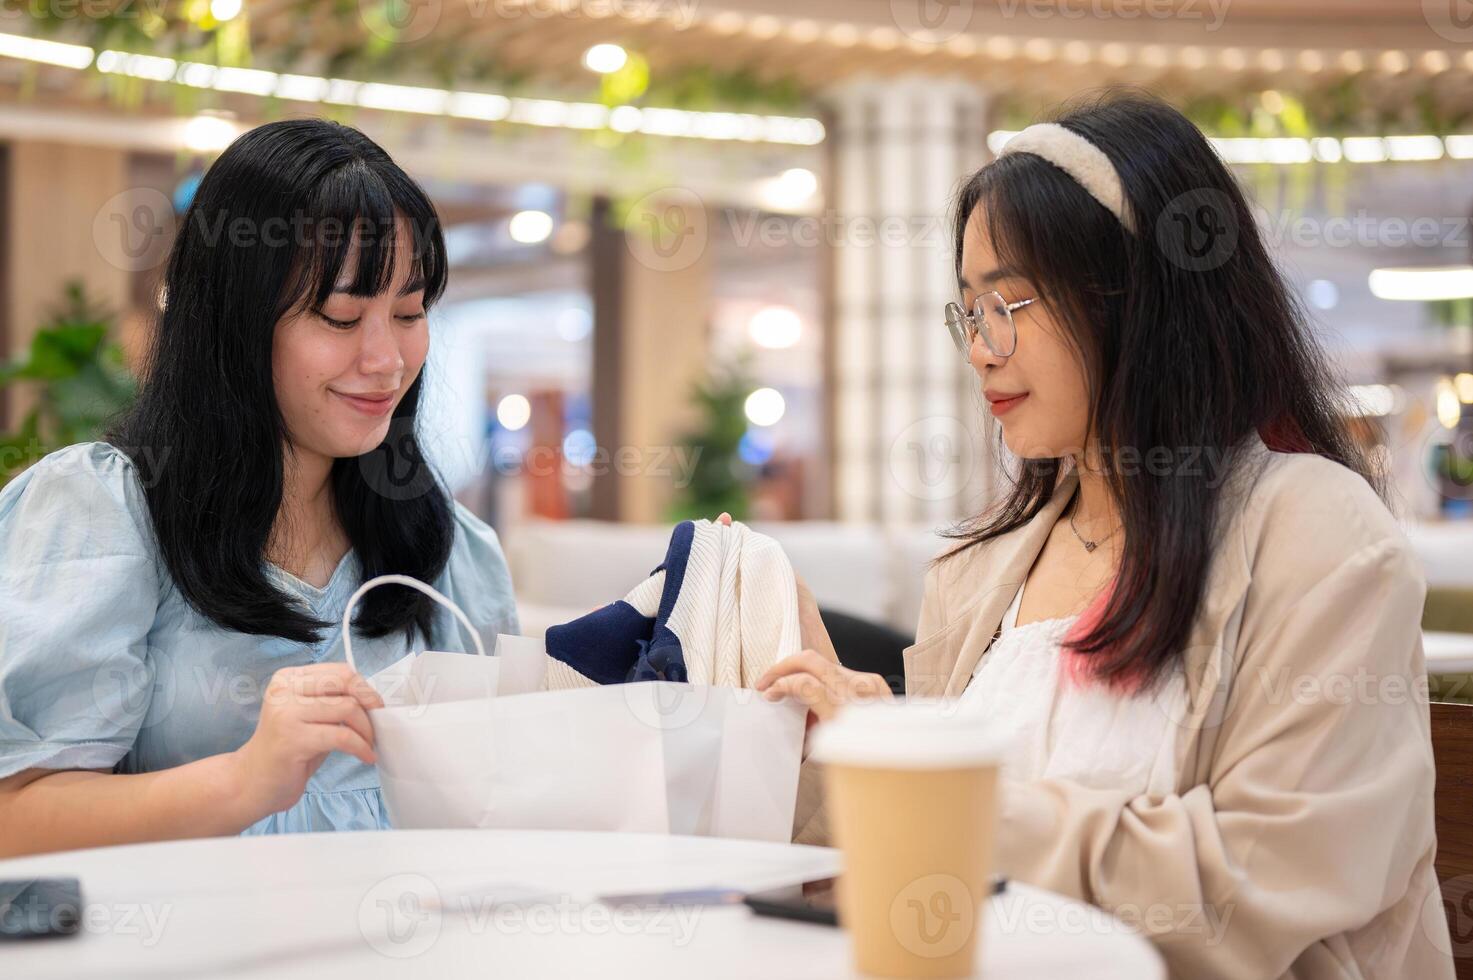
(1051, 730)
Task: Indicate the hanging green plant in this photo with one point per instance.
(703, 87)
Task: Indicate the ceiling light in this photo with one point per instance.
(530, 227)
(605, 58)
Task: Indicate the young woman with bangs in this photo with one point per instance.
(170, 663)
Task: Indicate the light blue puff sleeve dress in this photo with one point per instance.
(103, 665)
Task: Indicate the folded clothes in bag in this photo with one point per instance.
(662, 733)
(721, 609)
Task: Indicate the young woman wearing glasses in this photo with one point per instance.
(1191, 623)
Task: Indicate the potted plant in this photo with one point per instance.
(79, 378)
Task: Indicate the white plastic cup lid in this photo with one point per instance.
(911, 734)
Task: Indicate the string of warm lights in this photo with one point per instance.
(1113, 53)
(1001, 47)
(750, 127)
(483, 106)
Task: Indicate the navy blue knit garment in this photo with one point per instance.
(619, 642)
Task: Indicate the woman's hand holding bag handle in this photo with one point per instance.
(418, 677)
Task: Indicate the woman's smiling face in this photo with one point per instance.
(341, 370)
(1038, 393)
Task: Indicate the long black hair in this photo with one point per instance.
(269, 230)
(1190, 339)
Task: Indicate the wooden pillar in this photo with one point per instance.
(54, 194)
(606, 286)
(651, 285)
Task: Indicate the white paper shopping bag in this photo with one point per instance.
(484, 746)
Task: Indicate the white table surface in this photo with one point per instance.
(366, 905)
(1448, 653)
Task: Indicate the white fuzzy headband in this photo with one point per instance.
(1080, 159)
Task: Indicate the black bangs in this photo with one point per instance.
(353, 223)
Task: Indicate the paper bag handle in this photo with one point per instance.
(413, 583)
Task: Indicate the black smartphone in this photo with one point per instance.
(812, 901)
(35, 907)
(815, 901)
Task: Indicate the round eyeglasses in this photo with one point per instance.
(992, 317)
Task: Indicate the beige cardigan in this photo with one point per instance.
(1299, 840)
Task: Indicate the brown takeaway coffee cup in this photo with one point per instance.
(911, 790)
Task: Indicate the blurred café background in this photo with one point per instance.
(700, 248)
